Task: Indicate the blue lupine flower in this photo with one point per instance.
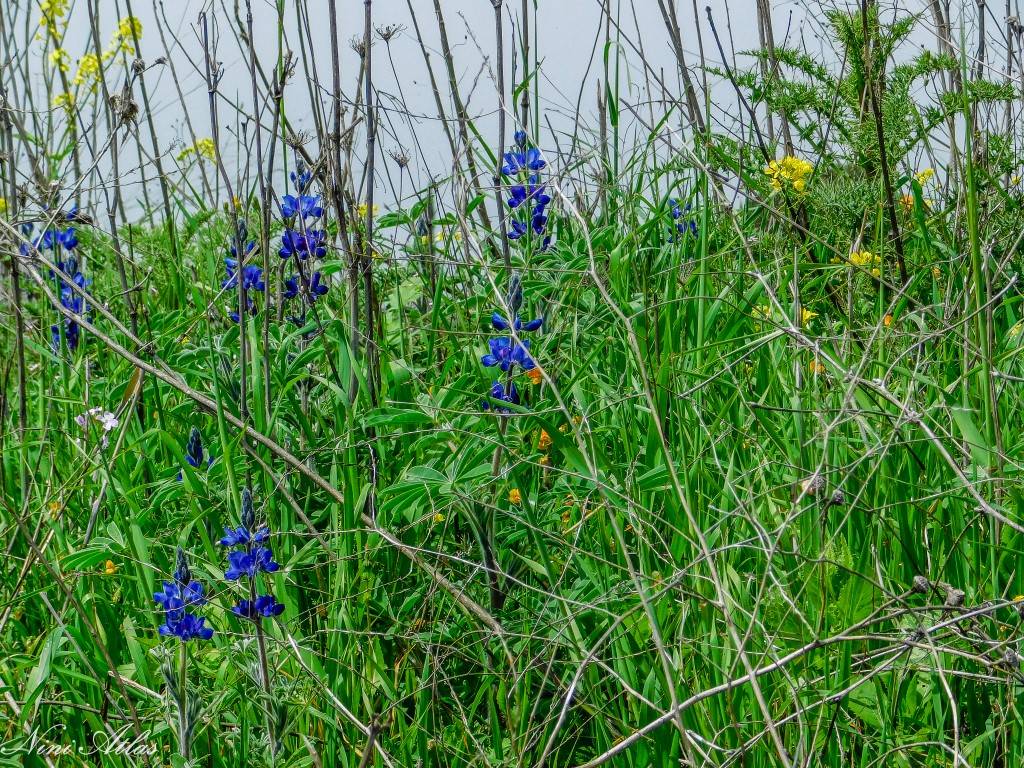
(504, 351)
(316, 242)
(301, 178)
(504, 392)
(194, 454)
(517, 231)
(533, 191)
(249, 563)
(176, 598)
(250, 307)
(252, 556)
(249, 246)
(186, 627)
(252, 276)
(291, 288)
(241, 536)
(507, 353)
(521, 162)
(683, 226)
(529, 192)
(292, 244)
(262, 606)
(70, 300)
(306, 206)
(502, 324)
(194, 448)
(316, 288)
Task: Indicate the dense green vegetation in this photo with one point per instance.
(751, 496)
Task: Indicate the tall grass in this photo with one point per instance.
(758, 501)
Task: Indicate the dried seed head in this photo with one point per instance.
(124, 108)
(296, 139)
(358, 44)
(954, 597)
(138, 67)
(388, 31)
(400, 157)
(921, 585)
(810, 486)
(838, 498)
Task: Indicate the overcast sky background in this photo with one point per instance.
(568, 35)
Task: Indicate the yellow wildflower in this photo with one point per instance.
(816, 368)
(52, 13)
(864, 258)
(204, 148)
(887, 320)
(438, 518)
(109, 568)
(440, 237)
(924, 176)
(3, 205)
(907, 203)
(60, 59)
(362, 209)
(936, 273)
(545, 460)
(514, 496)
(129, 29)
(534, 375)
(88, 73)
(544, 441)
(789, 172)
(876, 272)
(806, 315)
(64, 101)
(1015, 180)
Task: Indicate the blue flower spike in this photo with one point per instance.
(176, 598)
(251, 555)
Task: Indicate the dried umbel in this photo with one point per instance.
(400, 157)
(388, 31)
(124, 107)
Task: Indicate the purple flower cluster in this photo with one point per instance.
(251, 555)
(304, 237)
(251, 275)
(526, 192)
(176, 598)
(507, 352)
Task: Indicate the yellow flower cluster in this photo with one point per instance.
(789, 172)
(867, 259)
(129, 29)
(515, 497)
(3, 205)
(60, 59)
(64, 100)
(924, 176)
(203, 148)
(88, 73)
(362, 210)
(53, 13)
